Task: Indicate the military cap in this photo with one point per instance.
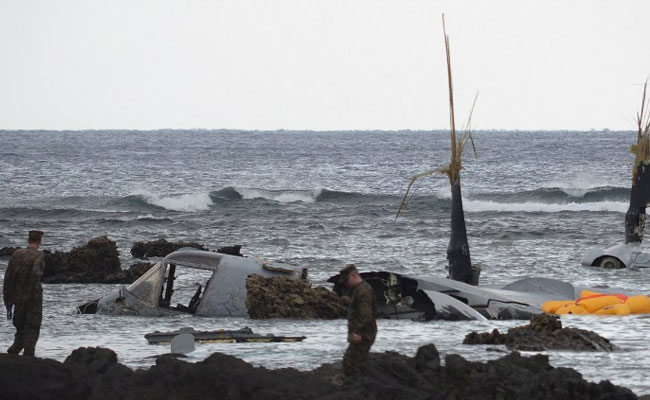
(35, 236)
(344, 274)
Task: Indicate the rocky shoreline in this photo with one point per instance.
(94, 373)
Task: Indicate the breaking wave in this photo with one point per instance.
(559, 195)
(190, 202)
(600, 206)
(287, 196)
(281, 196)
(546, 200)
(552, 200)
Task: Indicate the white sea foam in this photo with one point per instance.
(483, 206)
(184, 202)
(579, 184)
(282, 196)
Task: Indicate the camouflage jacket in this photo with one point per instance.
(22, 282)
(361, 317)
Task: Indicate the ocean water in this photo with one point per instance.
(534, 203)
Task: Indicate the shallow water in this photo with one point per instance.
(534, 202)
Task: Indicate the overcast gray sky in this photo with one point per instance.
(320, 64)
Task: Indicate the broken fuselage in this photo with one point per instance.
(427, 298)
(191, 281)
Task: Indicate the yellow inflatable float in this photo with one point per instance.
(600, 304)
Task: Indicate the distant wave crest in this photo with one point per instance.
(599, 206)
(612, 199)
(285, 196)
(557, 195)
(189, 202)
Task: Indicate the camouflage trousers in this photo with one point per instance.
(355, 357)
(27, 320)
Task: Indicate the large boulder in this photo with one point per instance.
(94, 374)
(282, 297)
(160, 248)
(96, 262)
(544, 332)
(135, 271)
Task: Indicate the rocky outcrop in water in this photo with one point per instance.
(135, 271)
(95, 374)
(96, 262)
(544, 332)
(160, 248)
(281, 297)
(8, 251)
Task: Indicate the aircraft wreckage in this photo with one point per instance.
(191, 281)
(630, 254)
(213, 284)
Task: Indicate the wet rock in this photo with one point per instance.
(281, 297)
(160, 248)
(427, 357)
(93, 373)
(36, 378)
(135, 271)
(8, 251)
(96, 262)
(232, 250)
(95, 369)
(544, 332)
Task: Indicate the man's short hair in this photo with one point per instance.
(345, 273)
(35, 236)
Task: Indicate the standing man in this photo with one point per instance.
(23, 294)
(362, 328)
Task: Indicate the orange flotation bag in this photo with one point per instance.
(595, 302)
(570, 308)
(551, 306)
(600, 304)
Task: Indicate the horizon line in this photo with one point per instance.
(235, 130)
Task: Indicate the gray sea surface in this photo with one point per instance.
(534, 203)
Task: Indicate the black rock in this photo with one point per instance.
(93, 373)
(159, 248)
(96, 262)
(544, 332)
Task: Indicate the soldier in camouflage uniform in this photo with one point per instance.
(362, 328)
(23, 290)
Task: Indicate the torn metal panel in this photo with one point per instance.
(191, 281)
(220, 336)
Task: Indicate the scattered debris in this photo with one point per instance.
(182, 343)
(219, 336)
